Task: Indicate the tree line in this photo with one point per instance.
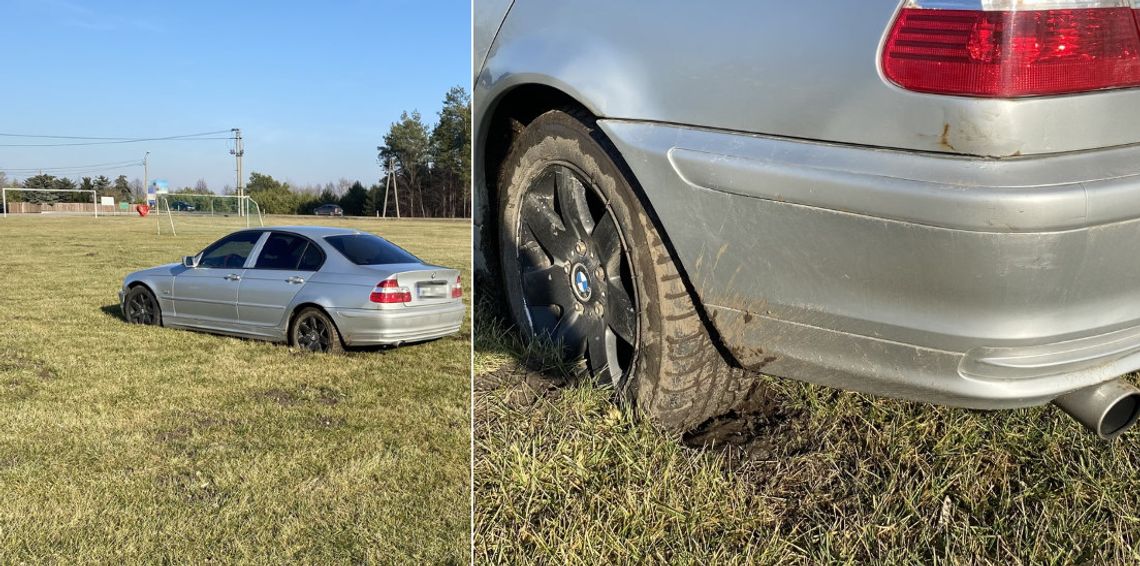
(425, 172)
(120, 188)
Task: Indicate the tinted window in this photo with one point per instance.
(231, 251)
(312, 259)
(366, 249)
(282, 251)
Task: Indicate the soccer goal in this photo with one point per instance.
(78, 202)
(195, 209)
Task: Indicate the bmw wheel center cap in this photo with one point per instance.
(580, 282)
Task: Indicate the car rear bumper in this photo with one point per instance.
(969, 282)
(372, 327)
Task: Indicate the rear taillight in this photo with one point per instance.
(389, 291)
(1014, 48)
(457, 290)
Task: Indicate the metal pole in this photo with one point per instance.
(238, 151)
(395, 187)
(387, 185)
(95, 201)
(4, 194)
(146, 173)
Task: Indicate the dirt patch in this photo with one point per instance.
(758, 421)
(174, 436)
(279, 396)
(329, 396)
(191, 423)
(521, 386)
(39, 368)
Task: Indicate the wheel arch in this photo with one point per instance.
(297, 309)
(503, 119)
(140, 283)
(508, 116)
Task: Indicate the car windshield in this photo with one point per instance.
(367, 249)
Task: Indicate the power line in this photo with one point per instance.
(11, 135)
(105, 164)
(76, 168)
(109, 141)
(122, 161)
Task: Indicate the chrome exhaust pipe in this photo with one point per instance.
(1108, 409)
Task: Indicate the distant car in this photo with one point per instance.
(316, 288)
(329, 210)
(181, 206)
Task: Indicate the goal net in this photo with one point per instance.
(76, 202)
(190, 210)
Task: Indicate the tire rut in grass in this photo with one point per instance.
(521, 386)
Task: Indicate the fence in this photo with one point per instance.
(60, 208)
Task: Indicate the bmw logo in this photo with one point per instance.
(581, 283)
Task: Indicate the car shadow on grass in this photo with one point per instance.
(113, 311)
(116, 311)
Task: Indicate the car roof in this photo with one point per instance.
(315, 231)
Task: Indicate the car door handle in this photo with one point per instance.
(233, 277)
(296, 280)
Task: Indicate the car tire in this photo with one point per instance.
(312, 330)
(141, 307)
(671, 371)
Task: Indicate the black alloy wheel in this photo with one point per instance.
(585, 265)
(577, 280)
(141, 307)
(314, 331)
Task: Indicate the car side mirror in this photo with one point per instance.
(191, 261)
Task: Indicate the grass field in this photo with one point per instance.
(122, 443)
(562, 475)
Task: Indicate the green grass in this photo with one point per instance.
(128, 443)
(562, 475)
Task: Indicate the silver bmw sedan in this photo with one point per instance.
(317, 288)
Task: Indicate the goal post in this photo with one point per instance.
(53, 205)
(190, 205)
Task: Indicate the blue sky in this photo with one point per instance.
(312, 85)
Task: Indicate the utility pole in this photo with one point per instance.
(146, 174)
(390, 182)
(238, 151)
(387, 186)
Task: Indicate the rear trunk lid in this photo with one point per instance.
(428, 285)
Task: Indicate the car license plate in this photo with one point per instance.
(433, 291)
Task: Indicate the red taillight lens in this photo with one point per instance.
(1007, 54)
(457, 290)
(389, 291)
